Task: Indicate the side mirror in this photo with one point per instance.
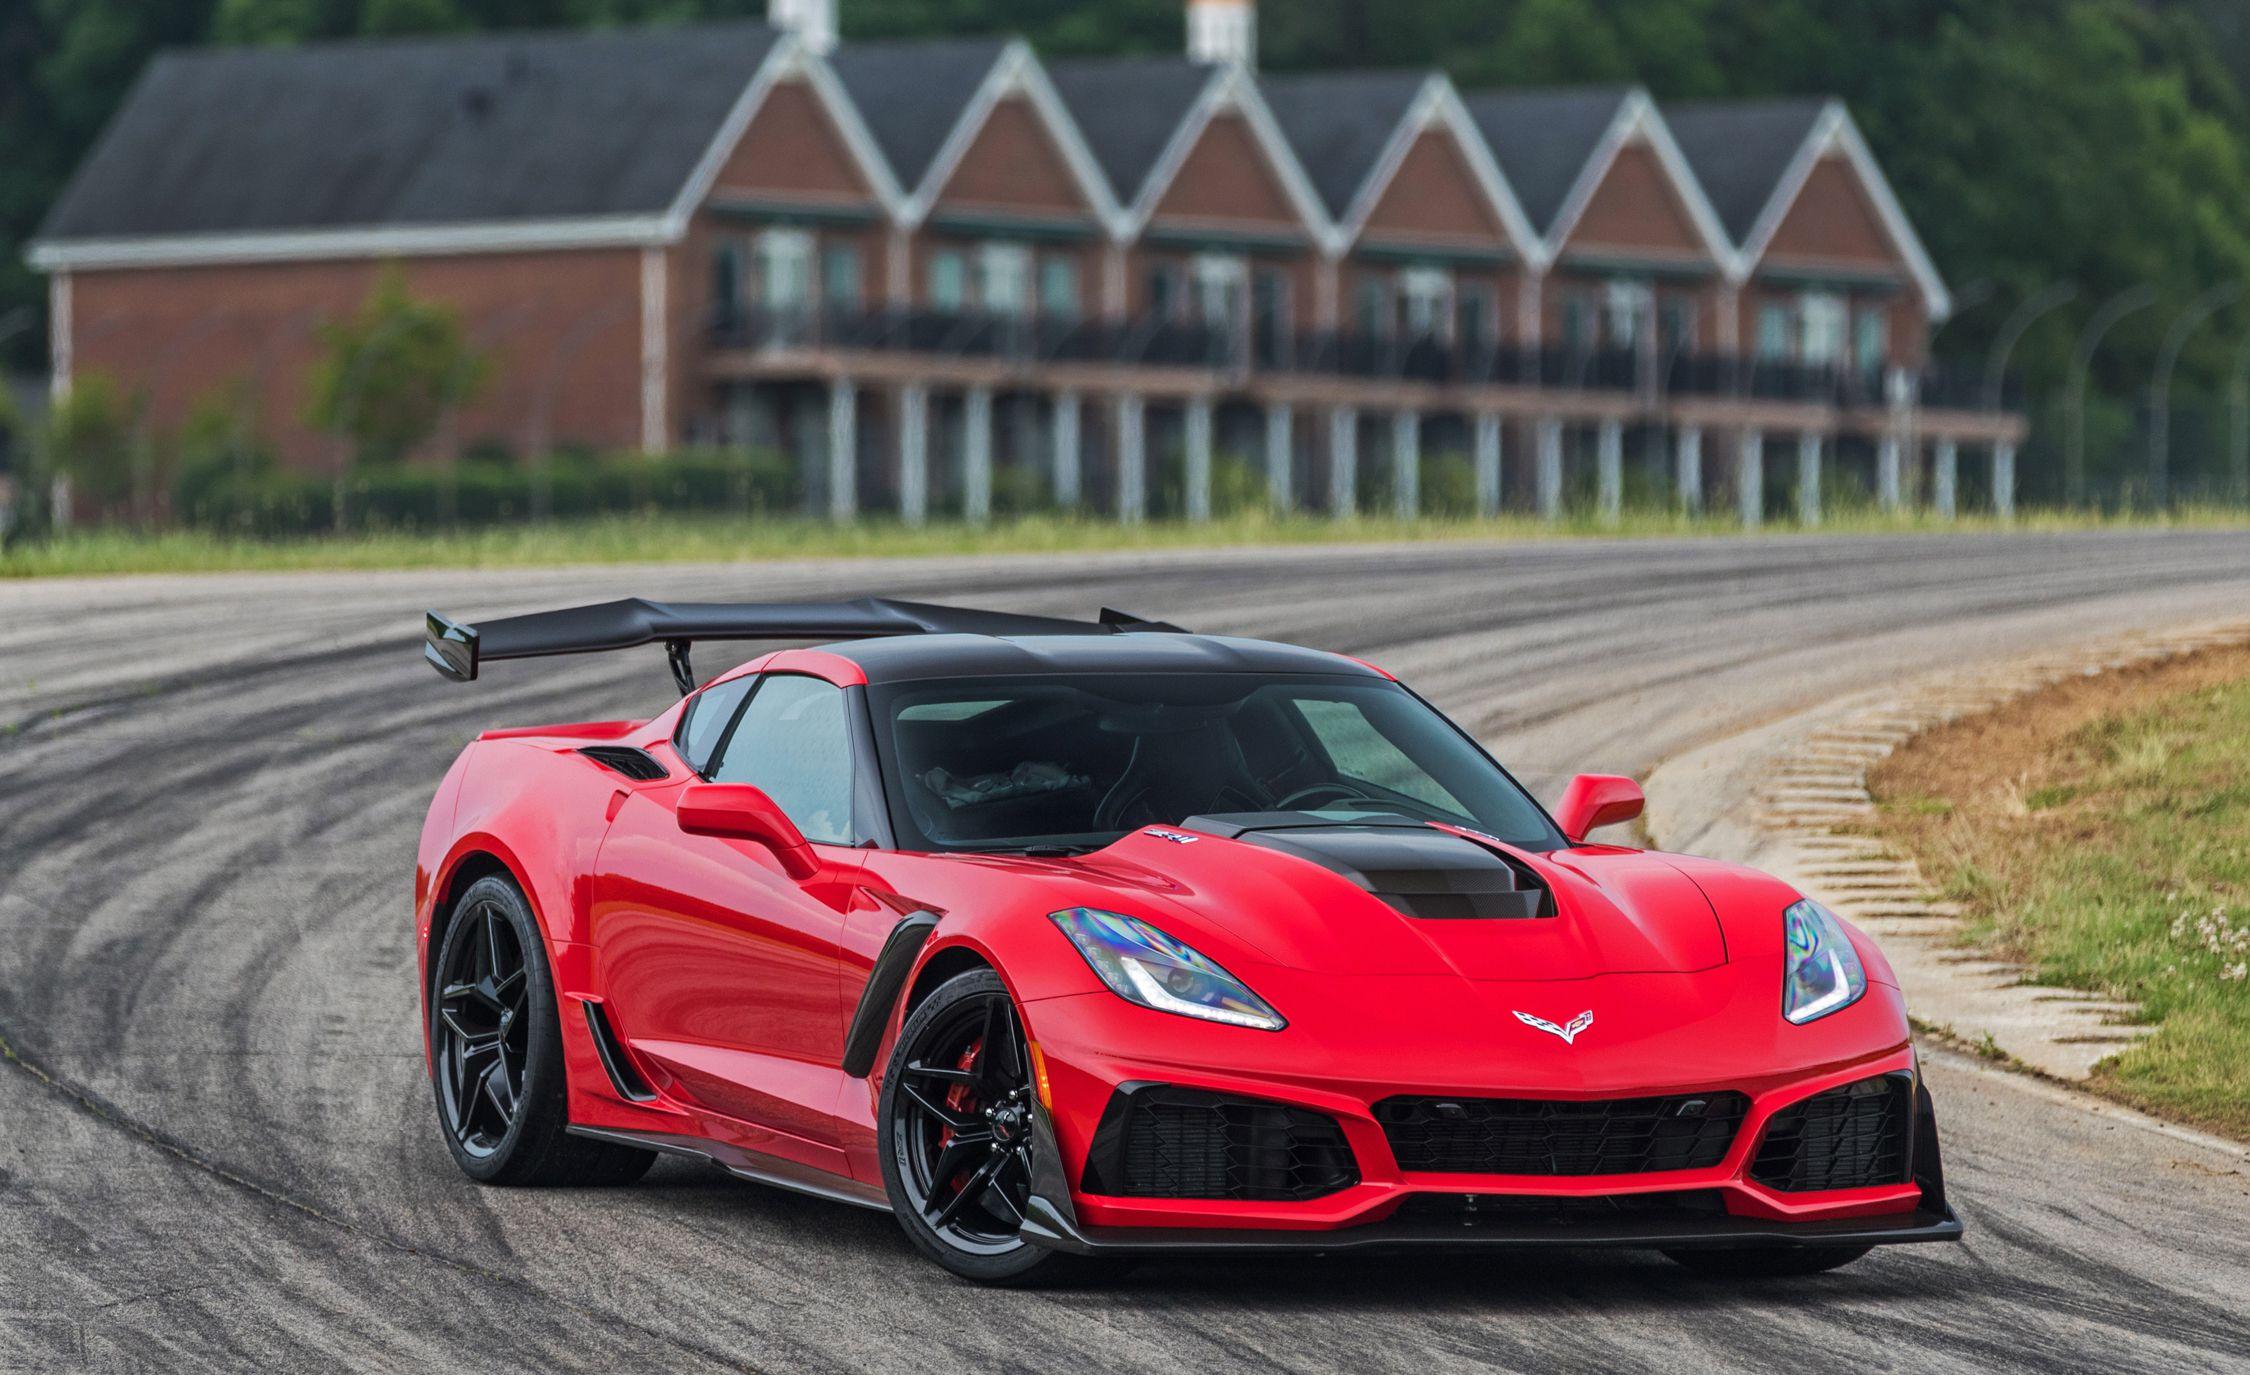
(737, 811)
(1595, 800)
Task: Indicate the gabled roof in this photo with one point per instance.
(912, 94)
(1543, 139)
(1740, 150)
(1130, 110)
(398, 134)
(1339, 124)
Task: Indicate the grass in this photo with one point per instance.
(685, 539)
(2101, 833)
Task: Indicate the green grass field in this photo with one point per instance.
(676, 539)
(2113, 854)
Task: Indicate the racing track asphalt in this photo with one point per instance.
(217, 1149)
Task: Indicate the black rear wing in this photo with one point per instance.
(459, 651)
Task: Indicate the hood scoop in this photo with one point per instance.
(1415, 869)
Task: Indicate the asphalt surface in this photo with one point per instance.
(218, 1150)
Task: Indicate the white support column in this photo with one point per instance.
(1687, 460)
(1070, 469)
(1343, 462)
(1550, 468)
(843, 450)
(60, 326)
(1487, 463)
(914, 453)
(656, 361)
(1808, 479)
(1945, 479)
(976, 455)
(1199, 458)
(1750, 479)
(1609, 465)
(2004, 480)
(1406, 464)
(1281, 457)
(1132, 458)
(1890, 491)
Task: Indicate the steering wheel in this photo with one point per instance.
(1334, 791)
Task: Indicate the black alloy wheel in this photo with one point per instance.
(484, 1029)
(957, 1132)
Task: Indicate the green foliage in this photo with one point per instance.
(392, 372)
(91, 441)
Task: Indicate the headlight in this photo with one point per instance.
(1821, 972)
(1143, 965)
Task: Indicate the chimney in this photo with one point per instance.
(1221, 31)
(813, 21)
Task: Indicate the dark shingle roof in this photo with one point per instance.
(1543, 140)
(1739, 149)
(1340, 122)
(911, 94)
(1129, 109)
(418, 132)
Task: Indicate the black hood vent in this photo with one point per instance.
(624, 759)
(1417, 869)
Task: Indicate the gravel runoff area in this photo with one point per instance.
(217, 1148)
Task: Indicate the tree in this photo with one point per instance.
(392, 371)
(90, 441)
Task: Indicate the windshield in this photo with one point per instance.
(1074, 761)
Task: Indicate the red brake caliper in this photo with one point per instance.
(957, 1100)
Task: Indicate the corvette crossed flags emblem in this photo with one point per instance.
(1569, 1033)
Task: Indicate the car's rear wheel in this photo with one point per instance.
(1767, 1262)
(496, 1052)
(957, 1143)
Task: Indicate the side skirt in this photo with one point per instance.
(760, 1169)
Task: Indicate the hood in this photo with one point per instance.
(1408, 899)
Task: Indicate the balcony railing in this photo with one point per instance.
(1242, 351)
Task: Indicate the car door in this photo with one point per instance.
(721, 971)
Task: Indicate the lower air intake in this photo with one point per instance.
(1847, 1138)
(1157, 1141)
(1534, 1136)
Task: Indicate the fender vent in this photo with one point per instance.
(622, 1075)
(635, 764)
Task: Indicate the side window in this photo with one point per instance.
(1359, 750)
(706, 722)
(794, 742)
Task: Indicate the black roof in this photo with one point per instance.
(452, 130)
(1738, 150)
(908, 658)
(1129, 109)
(1339, 123)
(911, 94)
(1542, 140)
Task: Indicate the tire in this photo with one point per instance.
(979, 1244)
(1767, 1262)
(492, 1012)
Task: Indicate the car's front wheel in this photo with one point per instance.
(496, 1052)
(955, 1127)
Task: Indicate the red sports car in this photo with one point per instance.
(1069, 942)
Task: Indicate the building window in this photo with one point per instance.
(1164, 292)
(949, 281)
(1004, 278)
(726, 284)
(1371, 309)
(1823, 323)
(839, 276)
(1626, 308)
(1058, 287)
(1578, 322)
(1871, 340)
(1425, 301)
(1477, 317)
(1272, 314)
(1222, 290)
(1774, 330)
(784, 265)
(1675, 324)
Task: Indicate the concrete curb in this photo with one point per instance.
(1786, 796)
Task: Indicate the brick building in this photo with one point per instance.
(924, 269)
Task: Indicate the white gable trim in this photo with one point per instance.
(1835, 131)
(1232, 89)
(1439, 106)
(1016, 72)
(1637, 118)
(792, 58)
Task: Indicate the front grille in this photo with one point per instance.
(1847, 1138)
(1534, 1136)
(1156, 1141)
